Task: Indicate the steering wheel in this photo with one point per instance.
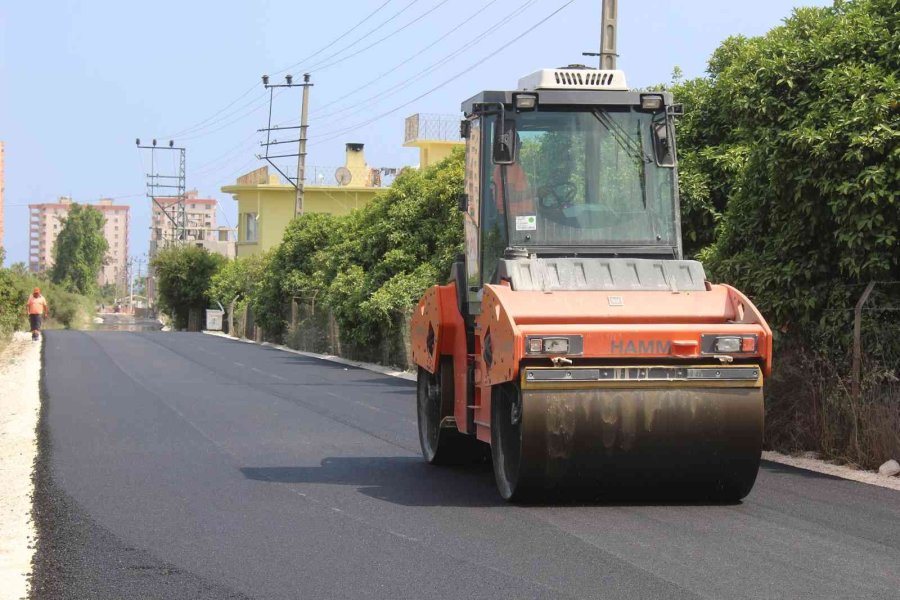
(557, 195)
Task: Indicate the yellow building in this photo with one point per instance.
(434, 135)
(266, 204)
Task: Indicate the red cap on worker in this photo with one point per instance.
(37, 291)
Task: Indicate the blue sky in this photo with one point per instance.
(79, 81)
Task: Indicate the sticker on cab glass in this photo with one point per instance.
(526, 223)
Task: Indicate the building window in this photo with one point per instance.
(251, 228)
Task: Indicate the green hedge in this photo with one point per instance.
(373, 264)
(791, 165)
(67, 309)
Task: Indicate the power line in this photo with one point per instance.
(356, 41)
(237, 119)
(254, 105)
(206, 122)
(415, 55)
(203, 168)
(378, 41)
(334, 134)
(217, 113)
(430, 69)
(334, 41)
(243, 144)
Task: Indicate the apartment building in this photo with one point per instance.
(46, 223)
(201, 220)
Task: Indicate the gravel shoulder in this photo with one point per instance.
(20, 370)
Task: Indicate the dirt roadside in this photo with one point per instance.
(20, 370)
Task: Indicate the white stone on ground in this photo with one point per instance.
(890, 468)
(20, 371)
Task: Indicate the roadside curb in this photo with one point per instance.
(807, 464)
(826, 468)
(329, 357)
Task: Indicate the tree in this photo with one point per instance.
(372, 265)
(183, 275)
(790, 165)
(238, 280)
(80, 250)
(390, 252)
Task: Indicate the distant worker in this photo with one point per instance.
(37, 310)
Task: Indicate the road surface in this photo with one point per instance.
(190, 466)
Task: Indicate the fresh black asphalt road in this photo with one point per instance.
(182, 465)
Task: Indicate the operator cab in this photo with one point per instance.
(567, 177)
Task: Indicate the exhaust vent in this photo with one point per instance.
(574, 79)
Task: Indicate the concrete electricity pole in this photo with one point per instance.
(301, 149)
(608, 32)
(301, 156)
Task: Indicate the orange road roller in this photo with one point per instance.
(573, 337)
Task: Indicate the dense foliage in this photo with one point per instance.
(792, 148)
(374, 264)
(790, 170)
(80, 250)
(238, 281)
(67, 309)
(184, 274)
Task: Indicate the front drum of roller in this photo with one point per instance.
(683, 441)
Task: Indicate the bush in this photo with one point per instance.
(184, 275)
(789, 170)
(238, 280)
(373, 264)
(67, 309)
(10, 305)
(800, 129)
(809, 406)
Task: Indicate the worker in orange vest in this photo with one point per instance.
(511, 183)
(37, 309)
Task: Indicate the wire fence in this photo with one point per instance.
(842, 399)
(424, 126)
(377, 177)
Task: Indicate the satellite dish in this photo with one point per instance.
(343, 176)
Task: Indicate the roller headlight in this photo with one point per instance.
(729, 344)
(554, 344)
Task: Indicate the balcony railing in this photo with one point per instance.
(328, 176)
(423, 127)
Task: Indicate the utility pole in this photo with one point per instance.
(173, 209)
(161, 186)
(302, 138)
(608, 32)
(301, 155)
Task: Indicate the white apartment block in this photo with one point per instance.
(201, 220)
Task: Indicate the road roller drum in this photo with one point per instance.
(698, 441)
